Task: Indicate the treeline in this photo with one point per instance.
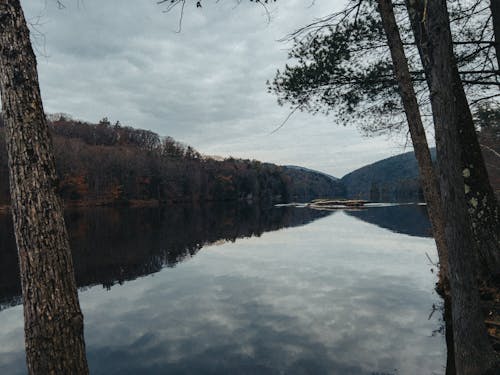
(307, 184)
(111, 164)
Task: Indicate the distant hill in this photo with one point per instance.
(395, 179)
(304, 169)
(306, 184)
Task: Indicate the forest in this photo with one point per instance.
(110, 164)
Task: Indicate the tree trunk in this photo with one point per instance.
(450, 349)
(482, 205)
(473, 352)
(495, 16)
(428, 176)
(53, 319)
(480, 197)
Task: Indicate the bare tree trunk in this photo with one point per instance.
(473, 352)
(481, 201)
(482, 205)
(428, 176)
(495, 16)
(52, 315)
(450, 347)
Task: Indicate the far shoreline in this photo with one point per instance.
(134, 203)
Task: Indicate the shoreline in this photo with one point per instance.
(134, 203)
(155, 203)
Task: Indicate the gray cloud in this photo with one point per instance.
(204, 86)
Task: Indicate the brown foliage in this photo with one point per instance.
(105, 164)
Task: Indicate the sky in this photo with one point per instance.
(204, 86)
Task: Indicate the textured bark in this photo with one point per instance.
(427, 173)
(450, 349)
(482, 205)
(428, 176)
(473, 352)
(495, 16)
(53, 319)
(481, 201)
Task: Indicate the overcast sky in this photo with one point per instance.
(205, 86)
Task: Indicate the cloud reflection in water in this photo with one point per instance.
(337, 296)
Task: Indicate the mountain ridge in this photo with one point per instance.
(111, 164)
(395, 178)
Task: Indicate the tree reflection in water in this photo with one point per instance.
(336, 296)
(113, 245)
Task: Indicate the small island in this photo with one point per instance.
(329, 204)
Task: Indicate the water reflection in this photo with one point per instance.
(318, 299)
(409, 219)
(337, 296)
(113, 245)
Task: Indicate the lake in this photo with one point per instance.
(240, 289)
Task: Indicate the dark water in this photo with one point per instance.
(227, 289)
(409, 219)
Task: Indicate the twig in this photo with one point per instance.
(286, 119)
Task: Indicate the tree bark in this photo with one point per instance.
(495, 16)
(427, 173)
(53, 319)
(473, 352)
(481, 201)
(482, 204)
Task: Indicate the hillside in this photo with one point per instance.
(395, 179)
(111, 164)
(308, 183)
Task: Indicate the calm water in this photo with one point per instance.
(245, 290)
